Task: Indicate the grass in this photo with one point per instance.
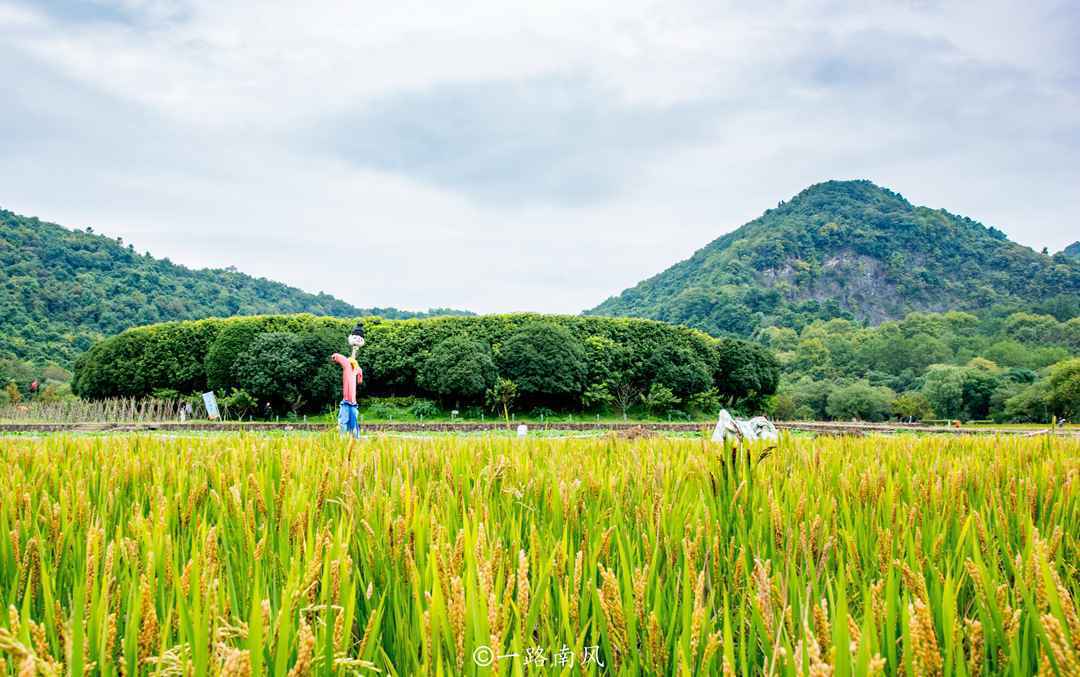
(248, 554)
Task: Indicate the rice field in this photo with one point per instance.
(246, 554)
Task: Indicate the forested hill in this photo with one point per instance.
(61, 289)
(853, 250)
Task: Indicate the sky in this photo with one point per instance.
(498, 156)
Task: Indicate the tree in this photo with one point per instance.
(809, 397)
(1070, 334)
(1032, 403)
(812, 357)
(912, 406)
(962, 392)
(861, 401)
(54, 392)
(1029, 328)
(944, 390)
(280, 368)
(1064, 389)
(778, 338)
(1009, 353)
(660, 399)
(233, 339)
(239, 403)
(706, 402)
(981, 379)
(597, 396)
(545, 360)
(782, 407)
(502, 396)
(746, 374)
(13, 394)
(625, 394)
(604, 357)
(459, 368)
(19, 372)
(53, 372)
(679, 368)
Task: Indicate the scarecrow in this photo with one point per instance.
(351, 377)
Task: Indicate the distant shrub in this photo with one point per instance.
(705, 402)
(383, 410)
(660, 399)
(168, 394)
(459, 368)
(425, 409)
(545, 360)
(239, 403)
(912, 406)
(861, 401)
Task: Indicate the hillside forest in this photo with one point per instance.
(1017, 368)
(62, 289)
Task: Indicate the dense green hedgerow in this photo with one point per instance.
(553, 359)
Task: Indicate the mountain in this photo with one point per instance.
(61, 290)
(847, 249)
(1073, 250)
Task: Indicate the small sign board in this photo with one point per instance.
(210, 400)
(522, 430)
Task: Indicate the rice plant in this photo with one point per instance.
(241, 554)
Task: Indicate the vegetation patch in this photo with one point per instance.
(525, 362)
(305, 554)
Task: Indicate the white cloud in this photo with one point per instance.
(527, 155)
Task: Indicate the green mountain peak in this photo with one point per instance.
(848, 249)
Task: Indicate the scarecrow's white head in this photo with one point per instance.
(356, 337)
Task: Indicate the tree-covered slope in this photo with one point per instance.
(61, 289)
(847, 249)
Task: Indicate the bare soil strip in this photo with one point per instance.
(825, 428)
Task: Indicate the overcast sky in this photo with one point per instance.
(543, 155)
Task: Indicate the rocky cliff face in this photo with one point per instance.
(857, 282)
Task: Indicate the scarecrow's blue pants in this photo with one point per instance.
(346, 419)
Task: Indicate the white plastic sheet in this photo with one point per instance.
(757, 428)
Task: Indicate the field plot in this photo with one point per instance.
(300, 554)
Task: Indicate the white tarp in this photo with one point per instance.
(757, 428)
(210, 400)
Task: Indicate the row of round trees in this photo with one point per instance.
(560, 362)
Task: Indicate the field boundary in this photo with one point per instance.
(825, 428)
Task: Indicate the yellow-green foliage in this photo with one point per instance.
(249, 554)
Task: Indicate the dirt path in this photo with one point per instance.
(827, 428)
